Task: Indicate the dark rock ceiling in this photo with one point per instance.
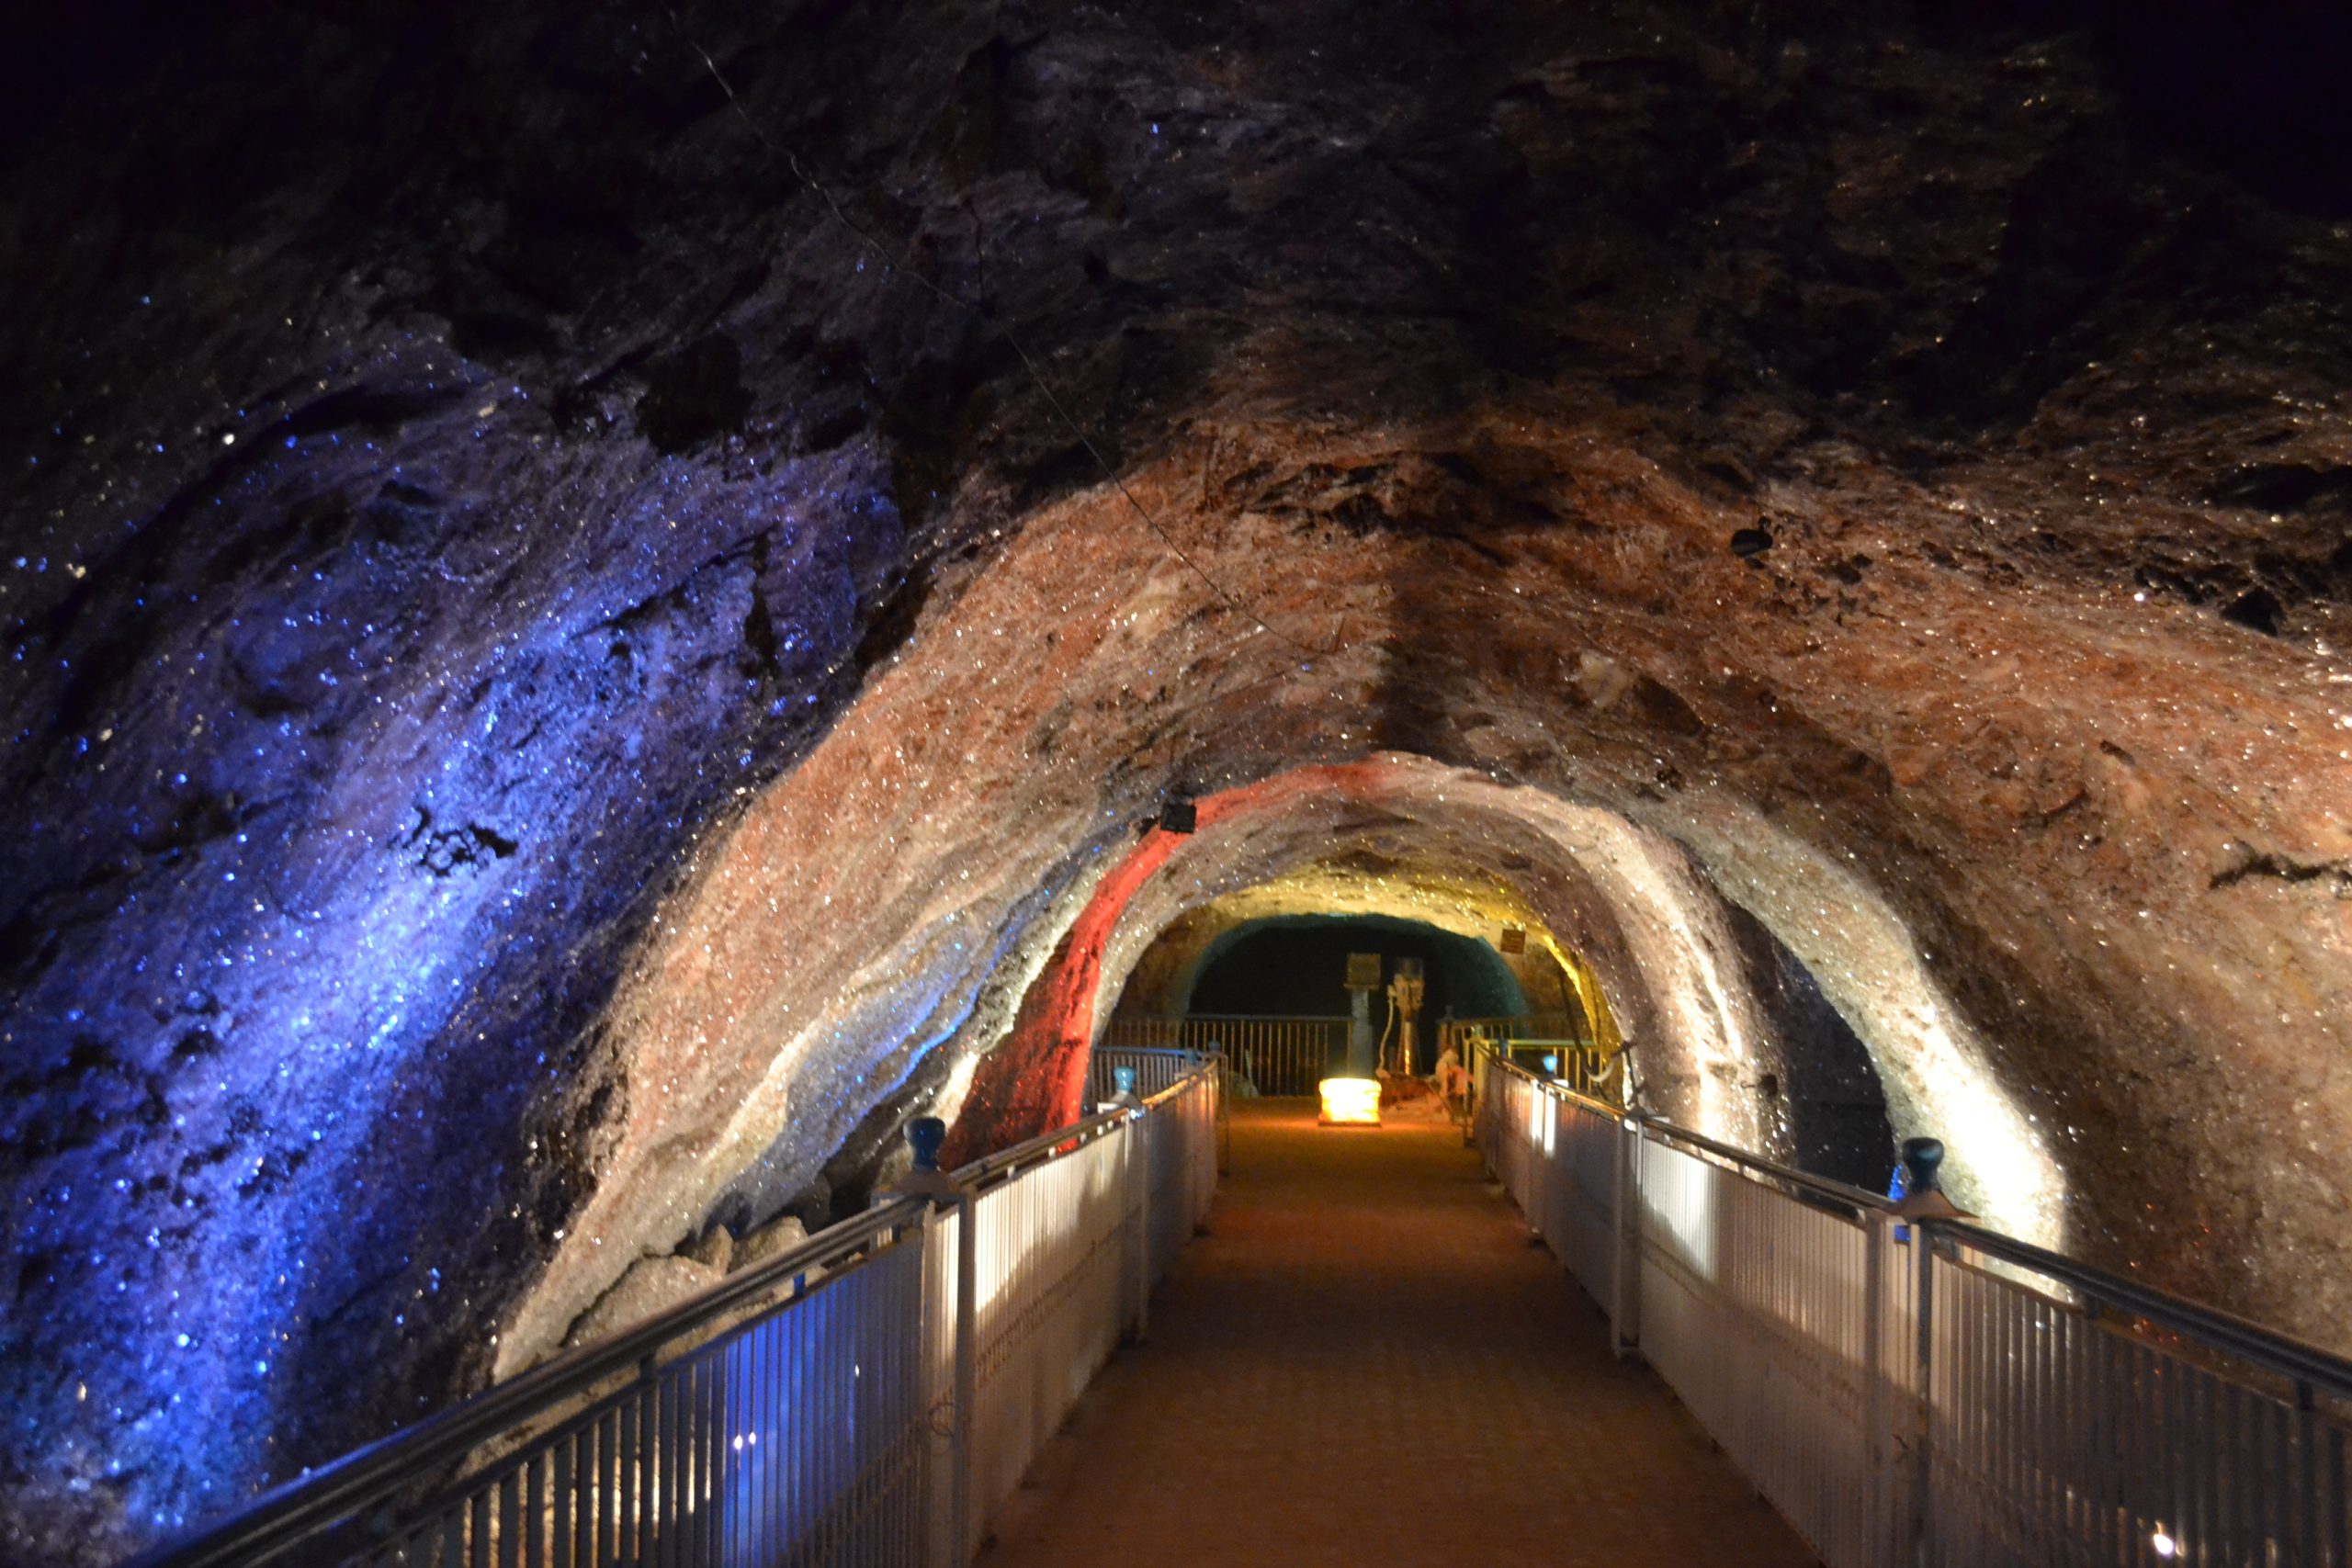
(473, 509)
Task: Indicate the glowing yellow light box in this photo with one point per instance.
(1349, 1102)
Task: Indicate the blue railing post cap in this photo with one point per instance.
(926, 1134)
(1923, 1197)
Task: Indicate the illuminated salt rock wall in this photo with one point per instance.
(556, 696)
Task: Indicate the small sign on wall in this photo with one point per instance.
(1514, 939)
(1364, 971)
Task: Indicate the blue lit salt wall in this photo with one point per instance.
(343, 778)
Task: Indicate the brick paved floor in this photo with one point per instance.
(1368, 1363)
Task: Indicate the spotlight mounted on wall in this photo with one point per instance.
(1179, 815)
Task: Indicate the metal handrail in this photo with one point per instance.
(1965, 1397)
(1598, 1107)
(1206, 1058)
(1820, 1186)
(1047, 1145)
(1067, 1140)
(334, 1494)
(1504, 1028)
(1278, 1055)
(1247, 1017)
(2248, 1341)
(1650, 1121)
(294, 1510)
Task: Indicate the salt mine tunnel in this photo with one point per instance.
(603, 604)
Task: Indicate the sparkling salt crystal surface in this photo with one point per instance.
(642, 797)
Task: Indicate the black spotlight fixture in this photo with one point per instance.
(1179, 817)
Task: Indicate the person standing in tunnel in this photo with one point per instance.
(1452, 1080)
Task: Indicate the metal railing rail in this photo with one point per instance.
(1580, 1066)
(1156, 1071)
(1522, 1026)
(871, 1397)
(299, 1511)
(1579, 1059)
(1156, 1068)
(1925, 1392)
(990, 1168)
(1278, 1055)
(2248, 1341)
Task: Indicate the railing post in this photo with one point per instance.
(1138, 1175)
(1922, 1204)
(936, 1444)
(1223, 1081)
(1625, 1271)
(2326, 1518)
(925, 1136)
(1482, 1118)
(967, 1376)
(1923, 1261)
(1878, 1415)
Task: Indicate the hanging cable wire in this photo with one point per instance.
(896, 265)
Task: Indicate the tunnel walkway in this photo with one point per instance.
(1367, 1362)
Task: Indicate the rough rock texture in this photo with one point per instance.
(648, 1286)
(558, 695)
(770, 1241)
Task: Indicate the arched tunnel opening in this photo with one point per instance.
(1822, 1086)
(1822, 1056)
(603, 612)
(1297, 964)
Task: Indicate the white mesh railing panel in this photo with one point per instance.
(1274, 1055)
(799, 1437)
(1785, 1313)
(1050, 1246)
(807, 1413)
(1754, 1309)
(1582, 1219)
(2057, 1437)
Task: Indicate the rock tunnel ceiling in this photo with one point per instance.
(558, 695)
